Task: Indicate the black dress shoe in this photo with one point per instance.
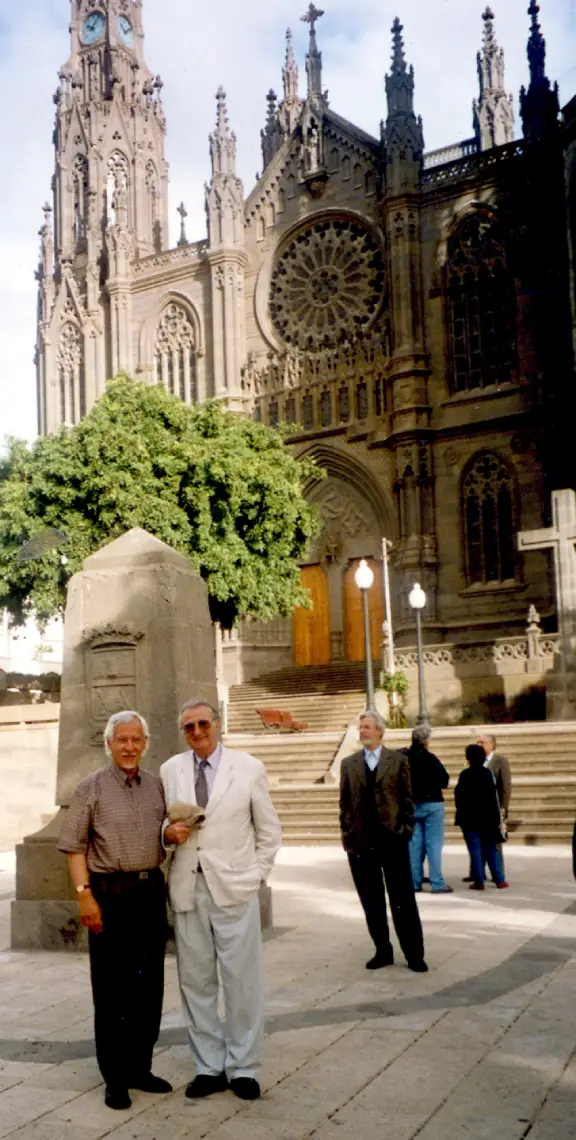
(468, 879)
(118, 1098)
(245, 1087)
(418, 967)
(205, 1084)
(381, 958)
(151, 1084)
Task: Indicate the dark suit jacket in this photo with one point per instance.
(392, 793)
(500, 768)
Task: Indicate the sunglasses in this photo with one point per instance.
(192, 724)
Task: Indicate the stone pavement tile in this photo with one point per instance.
(78, 1076)
(14, 1072)
(286, 1053)
(18, 1107)
(365, 1125)
(43, 1129)
(414, 1022)
(175, 1118)
(332, 1078)
(244, 1127)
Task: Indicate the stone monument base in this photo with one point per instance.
(45, 913)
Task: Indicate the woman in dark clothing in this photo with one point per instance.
(478, 814)
(429, 778)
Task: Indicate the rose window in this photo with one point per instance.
(327, 285)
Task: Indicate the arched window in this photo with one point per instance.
(71, 374)
(80, 198)
(489, 531)
(118, 190)
(176, 354)
(481, 306)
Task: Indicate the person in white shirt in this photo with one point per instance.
(214, 883)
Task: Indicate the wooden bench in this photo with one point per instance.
(284, 721)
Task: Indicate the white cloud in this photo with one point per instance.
(197, 47)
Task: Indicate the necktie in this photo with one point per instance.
(202, 784)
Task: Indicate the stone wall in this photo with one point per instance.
(28, 752)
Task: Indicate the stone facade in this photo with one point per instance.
(407, 311)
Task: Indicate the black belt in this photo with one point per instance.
(103, 877)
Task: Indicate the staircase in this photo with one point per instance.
(542, 757)
(326, 697)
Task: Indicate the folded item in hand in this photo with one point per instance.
(190, 814)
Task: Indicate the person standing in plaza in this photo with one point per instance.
(214, 882)
(500, 769)
(112, 837)
(429, 779)
(478, 815)
(376, 822)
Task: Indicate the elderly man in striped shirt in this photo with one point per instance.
(111, 836)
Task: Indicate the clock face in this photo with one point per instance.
(126, 31)
(94, 27)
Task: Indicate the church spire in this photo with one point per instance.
(290, 108)
(314, 57)
(539, 104)
(225, 194)
(403, 135)
(493, 111)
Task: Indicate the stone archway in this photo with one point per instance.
(350, 531)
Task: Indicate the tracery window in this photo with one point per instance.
(175, 358)
(118, 189)
(488, 516)
(362, 401)
(481, 306)
(80, 198)
(70, 361)
(290, 410)
(308, 412)
(325, 409)
(273, 413)
(343, 404)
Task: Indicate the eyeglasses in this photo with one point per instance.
(192, 724)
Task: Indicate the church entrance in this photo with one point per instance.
(353, 615)
(311, 628)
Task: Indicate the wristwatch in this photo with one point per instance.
(84, 887)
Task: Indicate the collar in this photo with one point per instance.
(125, 781)
(373, 751)
(213, 760)
(489, 756)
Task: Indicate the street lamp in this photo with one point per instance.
(364, 578)
(417, 601)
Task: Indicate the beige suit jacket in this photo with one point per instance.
(237, 844)
(500, 768)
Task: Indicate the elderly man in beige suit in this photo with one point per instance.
(214, 881)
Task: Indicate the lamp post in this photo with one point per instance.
(417, 601)
(364, 578)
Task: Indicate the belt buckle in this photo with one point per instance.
(143, 875)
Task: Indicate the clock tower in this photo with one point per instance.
(110, 207)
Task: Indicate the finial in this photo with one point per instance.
(183, 240)
(47, 210)
(398, 57)
(488, 15)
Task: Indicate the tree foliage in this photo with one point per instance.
(210, 483)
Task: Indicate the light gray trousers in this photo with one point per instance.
(228, 938)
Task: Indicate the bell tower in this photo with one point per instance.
(110, 206)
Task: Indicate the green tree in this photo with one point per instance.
(210, 483)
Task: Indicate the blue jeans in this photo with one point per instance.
(427, 842)
(484, 849)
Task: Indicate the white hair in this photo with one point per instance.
(377, 717)
(124, 718)
(199, 705)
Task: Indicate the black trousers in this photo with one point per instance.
(127, 972)
(389, 860)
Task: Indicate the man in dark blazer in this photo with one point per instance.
(376, 821)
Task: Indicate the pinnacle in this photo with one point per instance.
(398, 57)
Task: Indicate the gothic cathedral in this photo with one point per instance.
(408, 312)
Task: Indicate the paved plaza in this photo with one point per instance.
(484, 1046)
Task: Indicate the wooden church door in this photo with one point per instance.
(311, 628)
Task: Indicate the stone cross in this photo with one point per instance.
(183, 240)
(560, 538)
(312, 16)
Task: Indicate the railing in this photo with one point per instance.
(472, 164)
(451, 153)
(499, 652)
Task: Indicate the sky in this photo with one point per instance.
(195, 47)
